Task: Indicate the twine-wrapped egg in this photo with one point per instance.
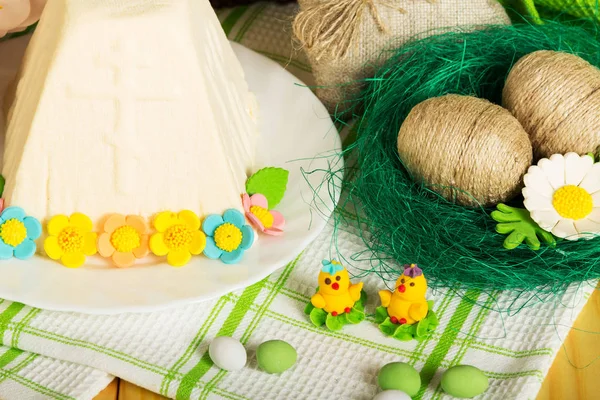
(467, 149)
(556, 98)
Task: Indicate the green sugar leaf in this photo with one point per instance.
(404, 333)
(355, 316)
(363, 297)
(360, 304)
(271, 182)
(381, 314)
(308, 309)
(2, 182)
(422, 327)
(387, 327)
(335, 323)
(432, 319)
(318, 316)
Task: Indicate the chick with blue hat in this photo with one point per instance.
(337, 301)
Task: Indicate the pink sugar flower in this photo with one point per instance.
(269, 222)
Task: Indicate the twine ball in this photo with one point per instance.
(467, 149)
(556, 98)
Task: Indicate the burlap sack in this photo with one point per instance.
(234, 3)
(344, 39)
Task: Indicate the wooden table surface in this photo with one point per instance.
(575, 373)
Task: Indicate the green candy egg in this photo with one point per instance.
(399, 376)
(275, 356)
(464, 381)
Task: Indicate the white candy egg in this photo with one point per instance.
(227, 353)
(392, 395)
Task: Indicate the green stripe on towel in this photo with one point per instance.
(262, 309)
(231, 323)
(7, 316)
(9, 356)
(450, 333)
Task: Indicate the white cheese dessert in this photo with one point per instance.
(131, 107)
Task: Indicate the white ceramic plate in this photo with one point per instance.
(296, 133)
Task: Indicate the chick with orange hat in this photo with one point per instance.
(405, 312)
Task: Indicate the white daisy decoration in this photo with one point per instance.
(562, 195)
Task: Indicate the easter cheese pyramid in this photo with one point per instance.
(128, 106)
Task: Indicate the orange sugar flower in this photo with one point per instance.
(124, 239)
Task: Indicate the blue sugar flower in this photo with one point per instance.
(18, 233)
(227, 236)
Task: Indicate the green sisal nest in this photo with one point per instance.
(408, 223)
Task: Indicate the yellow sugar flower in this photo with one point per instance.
(178, 237)
(70, 239)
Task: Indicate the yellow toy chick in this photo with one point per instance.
(407, 304)
(336, 293)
